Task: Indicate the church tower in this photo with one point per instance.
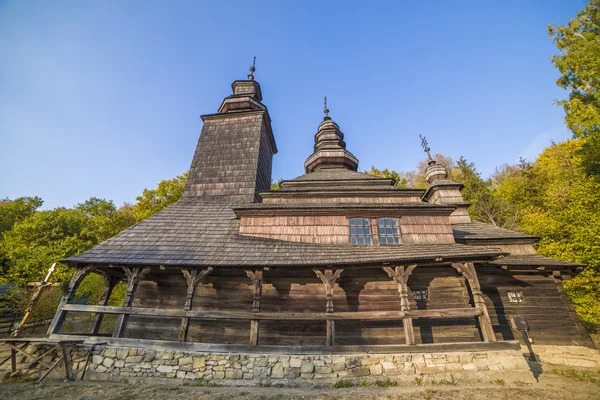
(233, 159)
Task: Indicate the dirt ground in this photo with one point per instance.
(549, 387)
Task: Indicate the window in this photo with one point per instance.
(420, 295)
(360, 231)
(388, 231)
(516, 297)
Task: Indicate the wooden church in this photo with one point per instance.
(333, 259)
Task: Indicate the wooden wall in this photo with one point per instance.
(335, 229)
(350, 199)
(550, 316)
(301, 291)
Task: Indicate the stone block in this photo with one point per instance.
(198, 362)
(428, 370)
(361, 371)
(306, 375)
(352, 362)
(469, 367)
(277, 371)
(369, 361)
(233, 374)
(181, 374)
(388, 365)
(185, 360)
(295, 362)
(344, 374)
(219, 375)
(262, 372)
(376, 369)
(119, 364)
(110, 352)
(508, 363)
(323, 370)
(454, 367)
(101, 368)
(96, 359)
(339, 366)
(164, 369)
(292, 372)
(122, 354)
(261, 362)
(132, 352)
(307, 367)
(235, 357)
(108, 362)
(134, 359)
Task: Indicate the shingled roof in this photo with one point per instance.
(534, 260)
(192, 232)
(475, 230)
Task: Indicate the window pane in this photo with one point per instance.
(382, 231)
(367, 230)
(388, 231)
(352, 230)
(396, 230)
(388, 221)
(397, 240)
(394, 222)
(382, 240)
(368, 239)
(359, 230)
(353, 240)
(361, 240)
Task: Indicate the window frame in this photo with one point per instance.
(362, 231)
(393, 226)
(424, 292)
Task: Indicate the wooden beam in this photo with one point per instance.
(470, 274)
(400, 275)
(59, 317)
(110, 281)
(193, 278)
(257, 280)
(328, 277)
(134, 276)
(290, 316)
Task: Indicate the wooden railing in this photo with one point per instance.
(467, 312)
(305, 316)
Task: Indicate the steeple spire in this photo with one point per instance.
(426, 149)
(326, 111)
(252, 69)
(330, 148)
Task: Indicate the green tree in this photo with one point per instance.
(153, 200)
(13, 211)
(578, 62)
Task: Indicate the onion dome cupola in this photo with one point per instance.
(330, 148)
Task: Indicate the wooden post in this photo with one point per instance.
(134, 276)
(328, 278)
(59, 317)
(66, 356)
(400, 275)
(13, 361)
(470, 274)
(110, 281)
(257, 279)
(193, 278)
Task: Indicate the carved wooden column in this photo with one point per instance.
(468, 271)
(328, 278)
(110, 281)
(400, 275)
(193, 278)
(257, 280)
(134, 276)
(59, 317)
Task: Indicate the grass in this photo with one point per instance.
(584, 376)
(499, 382)
(348, 384)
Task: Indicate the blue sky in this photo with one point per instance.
(103, 98)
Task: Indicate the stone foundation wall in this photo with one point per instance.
(571, 356)
(109, 363)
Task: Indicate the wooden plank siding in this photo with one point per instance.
(349, 199)
(335, 229)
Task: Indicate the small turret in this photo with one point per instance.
(442, 190)
(330, 148)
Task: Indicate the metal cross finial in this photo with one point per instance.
(252, 69)
(326, 110)
(425, 146)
